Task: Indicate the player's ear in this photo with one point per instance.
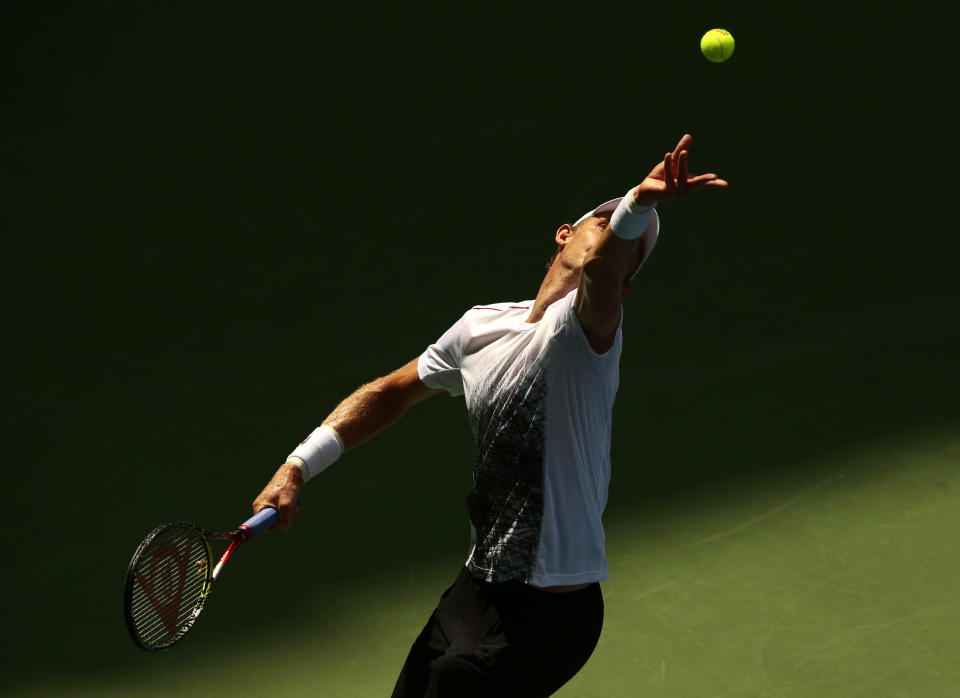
(563, 234)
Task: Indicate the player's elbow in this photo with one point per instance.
(401, 390)
(387, 395)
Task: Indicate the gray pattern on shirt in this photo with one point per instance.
(506, 502)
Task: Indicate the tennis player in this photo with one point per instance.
(539, 379)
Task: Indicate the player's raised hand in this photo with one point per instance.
(671, 178)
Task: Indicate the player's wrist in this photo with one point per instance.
(631, 217)
(317, 452)
(294, 468)
(640, 201)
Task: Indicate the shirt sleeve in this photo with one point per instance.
(439, 365)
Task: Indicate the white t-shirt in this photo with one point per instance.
(540, 402)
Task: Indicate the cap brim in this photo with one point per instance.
(647, 241)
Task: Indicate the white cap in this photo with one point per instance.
(647, 240)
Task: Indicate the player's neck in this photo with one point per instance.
(558, 282)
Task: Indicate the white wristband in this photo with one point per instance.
(629, 221)
(317, 452)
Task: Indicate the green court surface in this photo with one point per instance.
(218, 223)
(838, 583)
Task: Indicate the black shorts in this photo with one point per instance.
(505, 639)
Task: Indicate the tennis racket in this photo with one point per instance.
(171, 574)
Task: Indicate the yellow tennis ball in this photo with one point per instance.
(717, 45)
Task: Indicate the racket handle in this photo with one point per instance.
(259, 522)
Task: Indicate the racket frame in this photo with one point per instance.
(236, 537)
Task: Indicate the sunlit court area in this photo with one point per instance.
(221, 221)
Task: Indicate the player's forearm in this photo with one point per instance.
(615, 254)
(367, 411)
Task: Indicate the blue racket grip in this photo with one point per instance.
(260, 522)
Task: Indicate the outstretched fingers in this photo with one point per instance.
(709, 180)
(668, 174)
(674, 172)
(683, 175)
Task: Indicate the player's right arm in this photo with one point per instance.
(375, 406)
(364, 413)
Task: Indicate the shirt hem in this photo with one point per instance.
(558, 580)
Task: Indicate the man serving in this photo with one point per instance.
(539, 380)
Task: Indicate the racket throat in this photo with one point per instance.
(234, 544)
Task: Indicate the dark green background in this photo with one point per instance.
(220, 219)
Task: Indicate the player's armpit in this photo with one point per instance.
(598, 309)
(604, 282)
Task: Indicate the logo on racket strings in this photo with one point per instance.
(162, 580)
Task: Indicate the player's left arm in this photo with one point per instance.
(606, 271)
(603, 284)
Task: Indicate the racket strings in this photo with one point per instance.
(170, 580)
